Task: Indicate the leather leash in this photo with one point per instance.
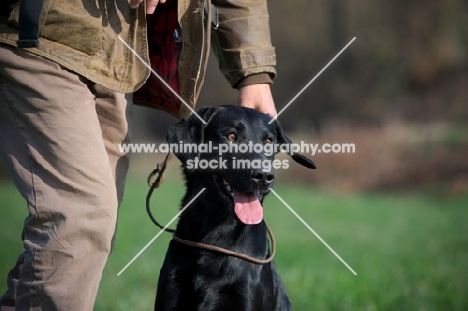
(231, 253)
(159, 173)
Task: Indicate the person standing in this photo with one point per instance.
(67, 85)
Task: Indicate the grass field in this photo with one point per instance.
(409, 252)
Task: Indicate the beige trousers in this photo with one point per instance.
(59, 136)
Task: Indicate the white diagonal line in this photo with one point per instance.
(310, 82)
(161, 79)
(159, 233)
(312, 230)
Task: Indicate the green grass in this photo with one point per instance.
(409, 252)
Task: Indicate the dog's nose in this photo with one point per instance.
(261, 177)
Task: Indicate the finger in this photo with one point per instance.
(151, 5)
(135, 3)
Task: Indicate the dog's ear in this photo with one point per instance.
(189, 130)
(284, 140)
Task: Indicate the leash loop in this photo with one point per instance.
(159, 173)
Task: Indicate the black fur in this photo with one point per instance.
(197, 279)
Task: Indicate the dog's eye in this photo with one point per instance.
(231, 136)
(268, 141)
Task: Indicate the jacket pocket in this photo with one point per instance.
(74, 23)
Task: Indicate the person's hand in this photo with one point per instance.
(150, 5)
(257, 96)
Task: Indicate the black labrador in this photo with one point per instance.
(227, 214)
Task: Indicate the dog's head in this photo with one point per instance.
(236, 147)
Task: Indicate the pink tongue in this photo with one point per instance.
(247, 208)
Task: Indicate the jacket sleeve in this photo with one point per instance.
(241, 38)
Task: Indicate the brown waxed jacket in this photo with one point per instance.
(82, 35)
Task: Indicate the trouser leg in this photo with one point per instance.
(56, 151)
(114, 116)
(114, 113)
